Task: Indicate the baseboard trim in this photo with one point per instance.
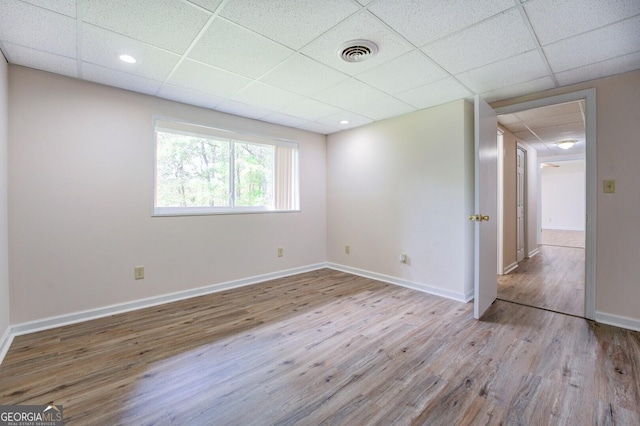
(5, 342)
(76, 317)
(510, 268)
(459, 297)
(618, 321)
(533, 252)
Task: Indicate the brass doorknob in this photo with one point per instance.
(479, 218)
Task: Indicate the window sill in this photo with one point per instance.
(176, 212)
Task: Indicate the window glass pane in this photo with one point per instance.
(207, 170)
(253, 175)
(192, 171)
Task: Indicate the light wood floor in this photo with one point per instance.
(327, 347)
(552, 279)
(556, 237)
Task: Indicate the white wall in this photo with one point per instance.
(563, 196)
(4, 227)
(81, 190)
(405, 185)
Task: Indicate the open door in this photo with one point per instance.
(486, 203)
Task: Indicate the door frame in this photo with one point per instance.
(591, 182)
(525, 204)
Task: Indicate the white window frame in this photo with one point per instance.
(177, 126)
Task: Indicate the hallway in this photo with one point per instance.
(553, 279)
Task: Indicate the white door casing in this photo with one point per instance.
(486, 205)
(520, 204)
(589, 95)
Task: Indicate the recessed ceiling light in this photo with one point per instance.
(566, 144)
(128, 59)
(344, 121)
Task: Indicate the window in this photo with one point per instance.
(203, 170)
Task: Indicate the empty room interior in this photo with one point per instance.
(301, 212)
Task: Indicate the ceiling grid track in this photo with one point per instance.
(417, 49)
(193, 43)
(527, 23)
(79, 20)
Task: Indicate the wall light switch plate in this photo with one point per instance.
(609, 186)
(138, 272)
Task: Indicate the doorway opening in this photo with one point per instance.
(544, 199)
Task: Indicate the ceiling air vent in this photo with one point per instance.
(357, 50)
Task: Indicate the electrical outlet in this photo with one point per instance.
(138, 272)
(347, 249)
(280, 252)
(403, 258)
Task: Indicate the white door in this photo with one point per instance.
(486, 188)
(520, 173)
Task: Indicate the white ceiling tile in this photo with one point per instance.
(354, 120)
(558, 120)
(514, 70)
(497, 38)
(284, 119)
(601, 69)
(507, 119)
(553, 20)
(566, 109)
(300, 74)
(210, 5)
(310, 109)
(66, 7)
(230, 47)
(243, 110)
(37, 28)
(180, 94)
(567, 131)
(168, 24)
(119, 79)
(422, 22)
(323, 129)
(410, 70)
(204, 78)
(514, 127)
(41, 60)
(383, 108)
(525, 135)
(102, 47)
(293, 23)
(432, 94)
(348, 94)
(360, 26)
(537, 85)
(265, 96)
(599, 45)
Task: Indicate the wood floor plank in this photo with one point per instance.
(552, 279)
(327, 347)
(563, 238)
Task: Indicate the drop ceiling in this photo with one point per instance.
(543, 127)
(277, 60)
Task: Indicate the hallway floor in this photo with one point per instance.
(553, 279)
